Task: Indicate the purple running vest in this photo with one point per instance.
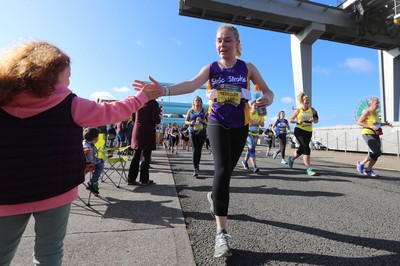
(227, 114)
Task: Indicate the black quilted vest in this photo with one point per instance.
(40, 156)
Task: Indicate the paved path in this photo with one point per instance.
(281, 216)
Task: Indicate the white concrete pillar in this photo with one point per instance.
(389, 73)
(301, 48)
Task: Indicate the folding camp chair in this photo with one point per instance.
(116, 163)
(89, 168)
(100, 145)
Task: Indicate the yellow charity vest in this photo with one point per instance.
(371, 120)
(254, 127)
(305, 115)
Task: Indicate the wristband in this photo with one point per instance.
(166, 91)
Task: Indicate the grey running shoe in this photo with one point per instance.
(256, 169)
(245, 165)
(222, 244)
(210, 200)
(274, 155)
(290, 161)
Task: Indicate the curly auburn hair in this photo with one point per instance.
(31, 67)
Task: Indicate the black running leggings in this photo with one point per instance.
(197, 145)
(227, 146)
(304, 138)
(282, 145)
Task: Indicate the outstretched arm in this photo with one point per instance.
(178, 88)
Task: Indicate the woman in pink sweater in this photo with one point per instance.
(42, 180)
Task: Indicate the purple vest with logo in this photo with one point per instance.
(227, 114)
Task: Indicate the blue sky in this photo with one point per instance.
(112, 43)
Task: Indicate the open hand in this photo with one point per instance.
(152, 90)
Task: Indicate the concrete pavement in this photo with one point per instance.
(385, 162)
(130, 225)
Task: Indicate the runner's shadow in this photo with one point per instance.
(245, 257)
(374, 243)
(144, 212)
(264, 190)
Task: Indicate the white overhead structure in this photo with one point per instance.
(301, 46)
(367, 23)
(389, 68)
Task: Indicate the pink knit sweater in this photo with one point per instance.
(86, 113)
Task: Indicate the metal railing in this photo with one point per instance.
(349, 138)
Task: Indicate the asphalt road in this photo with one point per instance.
(281, 216)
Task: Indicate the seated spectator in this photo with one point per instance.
(91, 136)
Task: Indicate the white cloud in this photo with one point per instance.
(102, 95)
(360, 65)
(287, 100)
(321, 70)
(121, 89)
